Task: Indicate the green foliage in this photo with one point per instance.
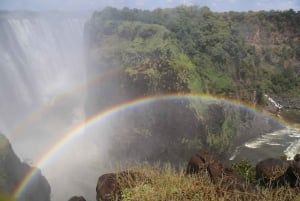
(222, 127)
(246, 170)
(146, 49)
(231, 54)
(192, 49)
(285, 81)
(283, 156)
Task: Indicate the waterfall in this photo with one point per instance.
(42, 72)
(40, 59)
(274, 103)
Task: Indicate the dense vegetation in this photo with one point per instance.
(189, 50)
(240, 55)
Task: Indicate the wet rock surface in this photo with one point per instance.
(288, 102)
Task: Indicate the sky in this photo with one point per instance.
(214, 5)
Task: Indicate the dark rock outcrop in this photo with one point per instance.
(220, 174)
(227, 179)
(288, 179)
(269, 170)
(200, 161)
(291, 175)
(77, 198)
(12, 171)
(160, 135)
(109, 186)
(288, 102)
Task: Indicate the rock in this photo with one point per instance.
(291, 175)
(296, 163)
(287, 101)
(200, 161)
(220, 174)
(109, 186)
(226, 178)
(269, 170)
(288, 179)
(77, 198)
(13, 171)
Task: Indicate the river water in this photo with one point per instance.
(274, 144)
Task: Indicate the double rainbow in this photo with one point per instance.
(103, 115)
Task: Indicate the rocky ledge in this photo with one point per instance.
(271, 173)
(13, 170)
(287, 102)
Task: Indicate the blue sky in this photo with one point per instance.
(215, 5)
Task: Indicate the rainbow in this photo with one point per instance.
(101, 116)
(79, 88)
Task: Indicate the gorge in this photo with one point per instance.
(143, 85)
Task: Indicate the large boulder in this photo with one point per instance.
(291, 175)
(269, 170)
(77, 198)
(109, 186)
(226, 178)
(220, 174)
(200, 161)
(295, 164)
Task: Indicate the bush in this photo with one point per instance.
(246, 170)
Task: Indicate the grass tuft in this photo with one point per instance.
(162, 183)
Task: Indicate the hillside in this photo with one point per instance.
(135, 53)
(239, 55)
(275, 37)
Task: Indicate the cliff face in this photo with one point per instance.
(12, 171)
(134, 53)
(238, 55)
(275, 35)
(127, 60)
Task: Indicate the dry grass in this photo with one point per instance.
(167, 184)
